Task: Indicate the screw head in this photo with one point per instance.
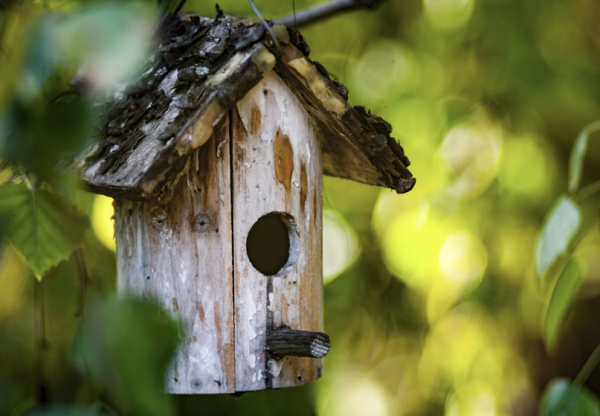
(202, 223)
(196, 384)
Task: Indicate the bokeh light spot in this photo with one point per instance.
(472, 400)
(463, 258)
(385, 69)
(448, 14)
(411, 245)
(354, 396)
(340, 245)
(417, 118)
(524, 168)
(102, 221)
(470, 154)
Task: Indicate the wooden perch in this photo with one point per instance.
(324, 10)
(284, 342)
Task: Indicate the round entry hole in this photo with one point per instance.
(272, 244)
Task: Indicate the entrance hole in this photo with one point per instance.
(272, 244)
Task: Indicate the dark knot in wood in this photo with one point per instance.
(202, 223)
(284, 342)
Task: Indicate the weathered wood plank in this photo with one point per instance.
(178, 253)
(276, 168)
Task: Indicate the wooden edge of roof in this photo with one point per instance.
(356, 144)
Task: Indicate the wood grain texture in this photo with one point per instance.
(282, 342)
(179, 254)
(276, 168)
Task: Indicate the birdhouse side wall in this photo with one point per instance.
(177, 252)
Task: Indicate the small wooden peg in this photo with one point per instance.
(284, 342)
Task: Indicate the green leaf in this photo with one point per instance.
(560, 302)
(126, 346)
(42, 226)
(578, 155)
(562, 398)
(560, 226)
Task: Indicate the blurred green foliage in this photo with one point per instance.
(118, 346)
(433, 301)
(561, 399)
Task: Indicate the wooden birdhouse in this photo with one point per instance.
(215, 159)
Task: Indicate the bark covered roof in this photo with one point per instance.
(202, 67)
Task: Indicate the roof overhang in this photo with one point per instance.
(203, 67)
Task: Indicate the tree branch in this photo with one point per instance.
(264, 23)
(324, 10)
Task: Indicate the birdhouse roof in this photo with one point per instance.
(202, 68)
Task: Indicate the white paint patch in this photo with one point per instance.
(166, 234)
(183, 276)
(275, 367)
(250, 310)
(270, 306)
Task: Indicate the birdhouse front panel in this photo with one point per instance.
(278, 275)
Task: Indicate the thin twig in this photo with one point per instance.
(41, 393)
(61, 95)
(588, 367)
(321, 11)
(179, 6)
(588, 191)
(264, 23)
(84, 278)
